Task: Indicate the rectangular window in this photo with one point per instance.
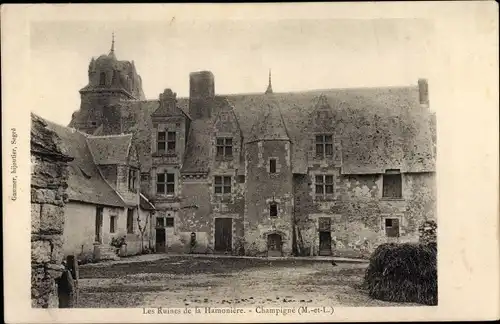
(324, 184)
(161, 142)
(132, 179)
(273, 210)
(224, 147)
(112, 224)
(391, 227)
(160, 222)
(324, 146)
(130, 220)
(222, 185)
(165, 183)
(272, 166)
(170, 222)
(171, 142)
(391, 185)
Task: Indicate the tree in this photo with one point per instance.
(142, 228)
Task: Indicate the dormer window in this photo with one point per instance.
(166, 142)
(132, 180)
(324, 146)
(224, 147)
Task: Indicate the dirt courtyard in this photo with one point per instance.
(203, 281)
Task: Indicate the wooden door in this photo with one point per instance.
(325, 243)
(223, 234)
(274, 245)
(160, 240)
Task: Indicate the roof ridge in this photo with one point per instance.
(72, 129)
(109, 136)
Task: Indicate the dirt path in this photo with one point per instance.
(180, 282)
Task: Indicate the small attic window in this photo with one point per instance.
(85, 174)
(94, 123)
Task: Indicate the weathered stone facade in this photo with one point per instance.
(336, 171)
(49, 174)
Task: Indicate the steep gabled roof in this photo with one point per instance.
(110, 149)
(269, 124)
(85, 182)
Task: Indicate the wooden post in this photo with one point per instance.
(72, 264)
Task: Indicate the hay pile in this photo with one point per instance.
(403, 273)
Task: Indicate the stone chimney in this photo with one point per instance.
(201, 94)
(423, 91)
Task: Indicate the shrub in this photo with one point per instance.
(117, 242)
(403, 273)
(427, 232)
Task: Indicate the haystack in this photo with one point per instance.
(403, 273)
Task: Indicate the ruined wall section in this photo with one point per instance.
(263, 188)
(357, 211)
(49, 175)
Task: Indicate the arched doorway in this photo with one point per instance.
(274, 245)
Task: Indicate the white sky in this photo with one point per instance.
(303, 54)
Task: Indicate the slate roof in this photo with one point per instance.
(378, 128)
(110, 149)
(85, 182)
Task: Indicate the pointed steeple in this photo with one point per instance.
(269, 86)
(112, 51)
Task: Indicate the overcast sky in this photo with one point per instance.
(303, 54)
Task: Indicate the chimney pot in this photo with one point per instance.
(423, 90)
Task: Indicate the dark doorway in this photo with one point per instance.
(325, 243)
(274, 245)
(160, 240)
(223, 234)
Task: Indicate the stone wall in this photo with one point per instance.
(49, 174)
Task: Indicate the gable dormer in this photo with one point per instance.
(170, 125)
(324, 142)
(118, 162)
(226, 138)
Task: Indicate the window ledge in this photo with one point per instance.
(223, 197)
(319, 197)
(224, 158)
(161, 154)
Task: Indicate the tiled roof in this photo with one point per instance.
(111, 149)
(85, 182)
